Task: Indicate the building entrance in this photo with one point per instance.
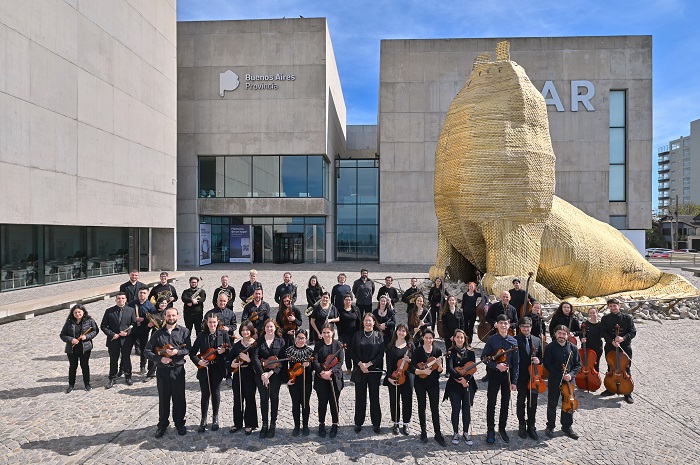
(288, 248)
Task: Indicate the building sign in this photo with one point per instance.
(204, 244)
(239, 244)
(581, 92)
(229, 81)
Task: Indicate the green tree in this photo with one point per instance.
(688, 209)
(655, 235)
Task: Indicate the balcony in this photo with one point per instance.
(663, 159)
(663, 169)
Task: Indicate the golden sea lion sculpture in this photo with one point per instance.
(496, 208)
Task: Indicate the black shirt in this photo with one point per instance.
(389, 291)
(350, 321)
(283, 289)
(178, 338)
(627, 329)
(163, 290)
(556, 355)
(338, 294)
(229, 291)
(420, 356)
(206, 340)
(262, 351)
(263, 311)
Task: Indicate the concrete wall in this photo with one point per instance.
(694, 162)
(88, 113)
(419, 79)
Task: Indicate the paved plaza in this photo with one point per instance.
(39, 423)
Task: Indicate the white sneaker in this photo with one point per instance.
(455, 439)
(468, 440)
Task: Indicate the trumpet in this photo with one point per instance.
(247, 301)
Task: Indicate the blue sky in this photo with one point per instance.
(357, 27)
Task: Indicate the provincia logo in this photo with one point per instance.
(229, 81)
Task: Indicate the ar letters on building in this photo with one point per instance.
(228, 81)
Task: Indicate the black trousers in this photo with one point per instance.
(553, 396)
(300, 393)
(498, 381)
(364, 309)
(526, 403)
(433, 393)
(469, 328)
(214, 381)
(171, 386)
(193, 320)
(367, 381)
(269, 397)
(434, 317)
(461, 402)
(346, 339)
(120, 356)
(84, 359)
(327, 398)
(244, 399)
(404, 394)
(141, 338)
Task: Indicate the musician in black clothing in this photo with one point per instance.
(452, 320)
(594, 337)
(558, 355)
(289, 319)
(518, 296)
(539, 327)
(328, 381)
(193, 300)
(142, 330)
(436, 297)
(428, 385)
(78, 332)
(400, 350)
(529, 353)
(469, 300)
(225, 289)
(269, 377)
(301, 386)
(117, 324)
(170, 373)
(210, 373)
(460, 389)
(624, 340)
(388, 290)
(339, 291)
(367, 353)
(163, 289)
(564, 315)
(503, 307)
(159, 318)
(408, 293)
(244, 386)
(324, 312)
(249, 287)
(227, 319)
(418, 320)
(287, 287)
(502, 376)
(386, 319)
(363, 290)
(132, 286)
(350, 323)
(258, 311)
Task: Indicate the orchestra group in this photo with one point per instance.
(352, 338)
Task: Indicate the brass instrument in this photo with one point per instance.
(247, 301)
(156, 322)
(310, 310)
(167, 294)
(197, 291)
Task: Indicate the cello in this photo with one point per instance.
(588, 378)
(526, 307)
(617, 379)
(483, 330)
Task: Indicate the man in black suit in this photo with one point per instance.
(530, 353)
(132, 286)
(117, 323)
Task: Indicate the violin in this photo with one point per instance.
(399, 375)
(253, 317)
(588, 378)
(617, 379)
(431, 364)
(161, 351)
(500, 355)
(332, 359)
(297, 370)
(272, 362)
(526, 307)
(569, 403)
(210, 354)
(238, 357)
(536, 382)
(289, 325)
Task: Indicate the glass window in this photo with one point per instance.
(367, 242)
(347, 186)
(19, 256)
(617, 108)
(617, 183)
(238, 177)
(315, 220)
(618, 221)
(368, 214)
(686, 190)
(686, 171)
(266, 180)
(207, 176)
(686, 181)
(686, 142)
(675, 146)
(686, 152)
(365, 163)
(686, 162)
(107, 251)
(316, 175)
(320, 244)
(617, 145)
(64, 253)
(367, 185)
(346, 242)
(347, 214)
(293, 174)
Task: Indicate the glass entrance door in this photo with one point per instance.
(288, 248)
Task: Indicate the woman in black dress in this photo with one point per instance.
(386, 318)
(300, 387)
(289, 319)
(367, 352)
(313, 295)
(398, 353)
(78, 332)
(564, 315)
(594, 337)
(427, 382)
(452, 319)
(350, 323)
(210, 373)
(269, 375)
(328, 381)
(469, 300)
(435, 297)
(243, 385)
(324, 312)
(460, 389)
(418, 320)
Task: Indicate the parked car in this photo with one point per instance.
(657, 253)
(687, 251)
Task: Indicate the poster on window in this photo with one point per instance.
(239, 236)
(204, 244)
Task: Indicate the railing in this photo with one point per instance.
(679, 257)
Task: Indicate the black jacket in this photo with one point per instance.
(163, 290)
(230, 291)
(363, 291)
(525, 359)
(451, 322)
(132, 290)
(72, 330)
(248, 288)
(627, 329)
(570, 322)
(111, 324)
(179, 339)
(338, 294)
(391, 292)
(496, 342)
(262, 351)
(187, 295)
(283, 289)
(454, 359)
(555, 356)
(350, 321)
(204, 342)
(263, 311)
(375, 355)
(497, 309)
(321, 352)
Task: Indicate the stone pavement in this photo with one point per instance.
(39, 423)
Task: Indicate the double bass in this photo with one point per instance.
(588, 378)
(483, 330)
(617, 379)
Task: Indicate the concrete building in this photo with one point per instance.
(679, 171)
(87, 138)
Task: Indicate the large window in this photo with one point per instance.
(618, 146)
(357, 210)
(293, 176)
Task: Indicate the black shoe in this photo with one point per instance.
(504, 435)
(248, 432)
(142, 371)
(629, 399)
(69, 389)
(404, 430)
(549, 432)
(440, 439)
(110, 384)
(234, 429)
(271, 430)
(491, 437)
(215, 423)
(229, 382)
(129, 382)
(160, 432)
(263, 432)
(202, 426)
(377, 429)
(322, 430)
(532, 432)
(358, 428)
(522, 433)
(305, 430)
(569, 432)
(182, 431)
(120, 374)
(423, 436)
(295, 431)
(395, 429)
(88, 387)
(151, 374)
(606, 393)
(334, 431)
(485, 378)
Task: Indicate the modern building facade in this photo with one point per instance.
(679, 171)
(87, 139)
